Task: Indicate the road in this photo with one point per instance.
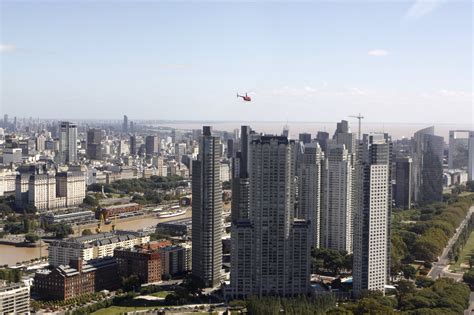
(470, 308)
(440, 267)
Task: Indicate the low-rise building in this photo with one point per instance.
(93, 246)
(78, 278)
(142, 262)
(175, 228)
(68, 217)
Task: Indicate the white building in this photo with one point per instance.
(471, 156)
(337, 203)
(309, 205)
(372, 215)
(93, 246)
(14, 298)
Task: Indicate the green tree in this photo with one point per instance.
(31, 238)
(86, 232)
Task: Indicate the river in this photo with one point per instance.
(10, 255)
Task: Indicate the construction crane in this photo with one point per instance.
(359, 117)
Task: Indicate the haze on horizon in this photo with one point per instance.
(401, 61)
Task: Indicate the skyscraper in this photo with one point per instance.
(133, 145)
(337, 199)
(152, 145)
(372, 214)
(270, 249)
(67, 142)
(427, 167)
(322, 138)
(240, 181)
(125, 124)
(305, 138)
(403, 177)
(94, 144)
(471, 156)
(458, 154)
(207, 210)
(309, 177)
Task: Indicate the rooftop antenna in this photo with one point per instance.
(359, 117)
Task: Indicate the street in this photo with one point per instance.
(439, 268)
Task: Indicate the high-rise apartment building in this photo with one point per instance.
(270, 249)
(240, 181)
(67, 142)
(372, 214)
(471, 156)
(40, 142)
(337, 199)
(309, 192)
(207, 224)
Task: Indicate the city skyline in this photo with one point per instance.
(381, 59)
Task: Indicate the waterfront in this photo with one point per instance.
(10, 255)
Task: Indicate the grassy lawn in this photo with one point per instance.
(119, 310)
(161, 294)
(466, 253)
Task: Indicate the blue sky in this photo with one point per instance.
(397, 61)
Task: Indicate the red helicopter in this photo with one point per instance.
(245, 97)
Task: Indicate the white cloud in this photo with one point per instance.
(454, 93)
(421, 8)
(378, 52)
(4, 48)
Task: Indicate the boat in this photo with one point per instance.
(169, 214)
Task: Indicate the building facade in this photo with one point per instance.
(67, 142)
(270, 249)
(207, 225)
(403, 177)
(337, 200)
(14, 298)
(372, 215)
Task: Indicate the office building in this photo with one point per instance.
(458, 154)
(125, 124)
(309, 199)
(372, 215)
(402, 187)
(94, 144)
(427, 166)
(270, 249)
(67, 142)
(305, 138)
(133, 145)
(240, 180)
(12, 155)
(40, 143)
(322, 138)
(152, 146)
(46, 190)
(14, 298)
(89, 247)
(207, 210)
(337, 199)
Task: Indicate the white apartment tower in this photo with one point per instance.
(372, 214)
(471, 156)
(270, 249)
(309, 192)
(337, 200)
(207, 225)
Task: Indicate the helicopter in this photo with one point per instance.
(245, 97)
